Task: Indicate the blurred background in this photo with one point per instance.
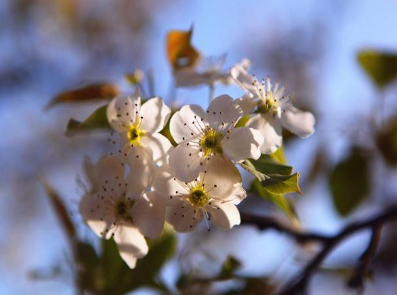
(48, 46)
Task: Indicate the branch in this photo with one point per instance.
(298, 284)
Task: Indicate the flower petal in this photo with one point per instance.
(168, 187)
(131, 244)
(110, 173)
(148, 214)
(244, 80)
(121, 111)
(183, 217)
(224, 215)
(220, 178)
(247, 103)
(184, 124)
(270, 128)
(155, 115)
(186, 162)
(160, 146)
(142, 166)
(96, 214)
(223, 112)
(299, 122)
(243, 143)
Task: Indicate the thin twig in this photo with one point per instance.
(298, 284)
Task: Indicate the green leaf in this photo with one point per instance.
(248, 166)
(386, 141)
(86, 93)
(350, 182)
(229, 267)
(380, 66)
(279, 156)
(279, 201)
(87, 263)
(282, 184)
(161, 250)
(266, 164)
(96, 121)
(243, 120)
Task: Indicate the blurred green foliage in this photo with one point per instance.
(381, 67)
(349, 181)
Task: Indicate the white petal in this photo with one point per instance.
(299, 122)
(90, 173)
(270, 128)
(243, 143)
(243, 79)
(221, 177)
(183, 217)
(184, 123)
(155, 115)
(96, 214)
(186, 163)
(168, 187)
(238, 195)
(142, 166)
(160, 146)
(224, 110)
(110, 172)
(148, 214)
(131, 244)
(121, 111)
(224, 215)
(247, 103)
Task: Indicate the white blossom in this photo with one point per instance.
(213, 195)
(139, 125)
(209, 71)
(273, 110)
(119, 207)
(201, 135)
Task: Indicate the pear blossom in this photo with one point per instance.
(201, 135)
(273, 110)
(139, 125)
(118, 206)
(213, 195)
(208, 71)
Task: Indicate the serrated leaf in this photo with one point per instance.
(279, 201)
(266, 164)
(380, 66)
(386, 141)
(96, 121)
(180, 53)
(350, 182)
(86, 93)
(282, 184)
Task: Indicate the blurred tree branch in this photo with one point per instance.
(299, 283)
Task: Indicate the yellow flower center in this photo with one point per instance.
(198, 196)
(135, 133)
(268, 105)
(210, 142)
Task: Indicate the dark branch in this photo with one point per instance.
(299, 283)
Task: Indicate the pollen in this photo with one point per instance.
(210, 142)
(198, 197)
(135, 134)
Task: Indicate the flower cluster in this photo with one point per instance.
(131, 195)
